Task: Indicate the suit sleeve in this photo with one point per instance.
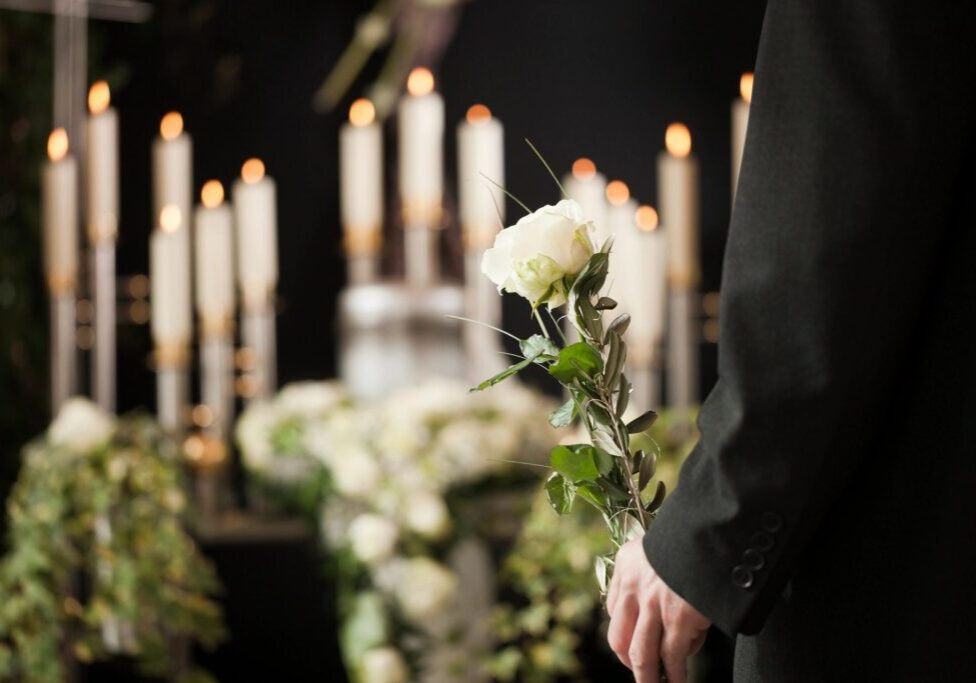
(861, 118)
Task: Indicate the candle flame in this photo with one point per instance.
(362, 112)
(171, 125)
(57, 144)
(420, 82)
(478, 113)
(745, 86)
(212, 194)
(252, 171)
(170, 218)
(677, 139)
(646, 218)
(583, 169)
(99, 97)
(617, 192)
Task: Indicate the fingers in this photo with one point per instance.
(613, 592)
(698, 643)
(675, 650)
(644, 650)
(621, 631)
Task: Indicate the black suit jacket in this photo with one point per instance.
(830, 505)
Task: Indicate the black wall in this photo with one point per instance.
(579, 77)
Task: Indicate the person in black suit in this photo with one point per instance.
(827, 516)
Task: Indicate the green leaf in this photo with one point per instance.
(658, 498)
(619, 325)
(635, 463)
(604, 462)
(576, 361)
(561, 493)
(647, 467)
(642, 423)
(604, 441)
(589, 318)
(594, 494)
(576, 463)
(505, 374)
(538, 346)
(563, 415)
(605, 303)
(616, 357)
(623, 395)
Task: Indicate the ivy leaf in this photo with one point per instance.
(561, 493)
(563, 415)
(538, 346)
(576, 361)
(576, 463)
(505, 374)
(642, 423)
(605, 303)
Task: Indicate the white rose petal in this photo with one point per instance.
(372, 538)
(309, 399)
(81, 426)
(533, 256)
(384, 665)
(427, 589)
(426, 514)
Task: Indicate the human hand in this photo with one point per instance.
(650, 625)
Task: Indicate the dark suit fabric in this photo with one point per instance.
(827, 517)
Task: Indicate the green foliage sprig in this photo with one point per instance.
(97, 542)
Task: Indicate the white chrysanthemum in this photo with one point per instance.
(355, 473)
(427, 588)
(81, 426)
(426, 514)
(384, 665)
(310, 399)
(373, 538)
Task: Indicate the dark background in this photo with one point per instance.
(597, 78)
(580, 78)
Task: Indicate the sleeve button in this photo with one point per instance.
(771, 522)
(742, 577)
(753, 559)
(762, 541)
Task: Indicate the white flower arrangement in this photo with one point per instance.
(388, 507)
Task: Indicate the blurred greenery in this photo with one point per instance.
(97, 542)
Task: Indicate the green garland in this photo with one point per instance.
(97, 542)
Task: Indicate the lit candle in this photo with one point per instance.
(740, 121)
(169, 273)
(587, 187)
(624, 259)
(481, 174)
(60, 211)
(677, 172)
(102, 165)
(361, 188)
(172, 156)
(256, 217)
(421, 143)
(652, 257)
(214, 257)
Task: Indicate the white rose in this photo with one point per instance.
(355, 474)
(253, 434)
(384, 665)
(81, 426)
(372, 538)
(427, 588)
(533, 256)
(427, 514)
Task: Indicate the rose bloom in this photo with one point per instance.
(426, 514)
(81, 426)
(355, 474)
(373, 538)
(532, 257)
(384, 665)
